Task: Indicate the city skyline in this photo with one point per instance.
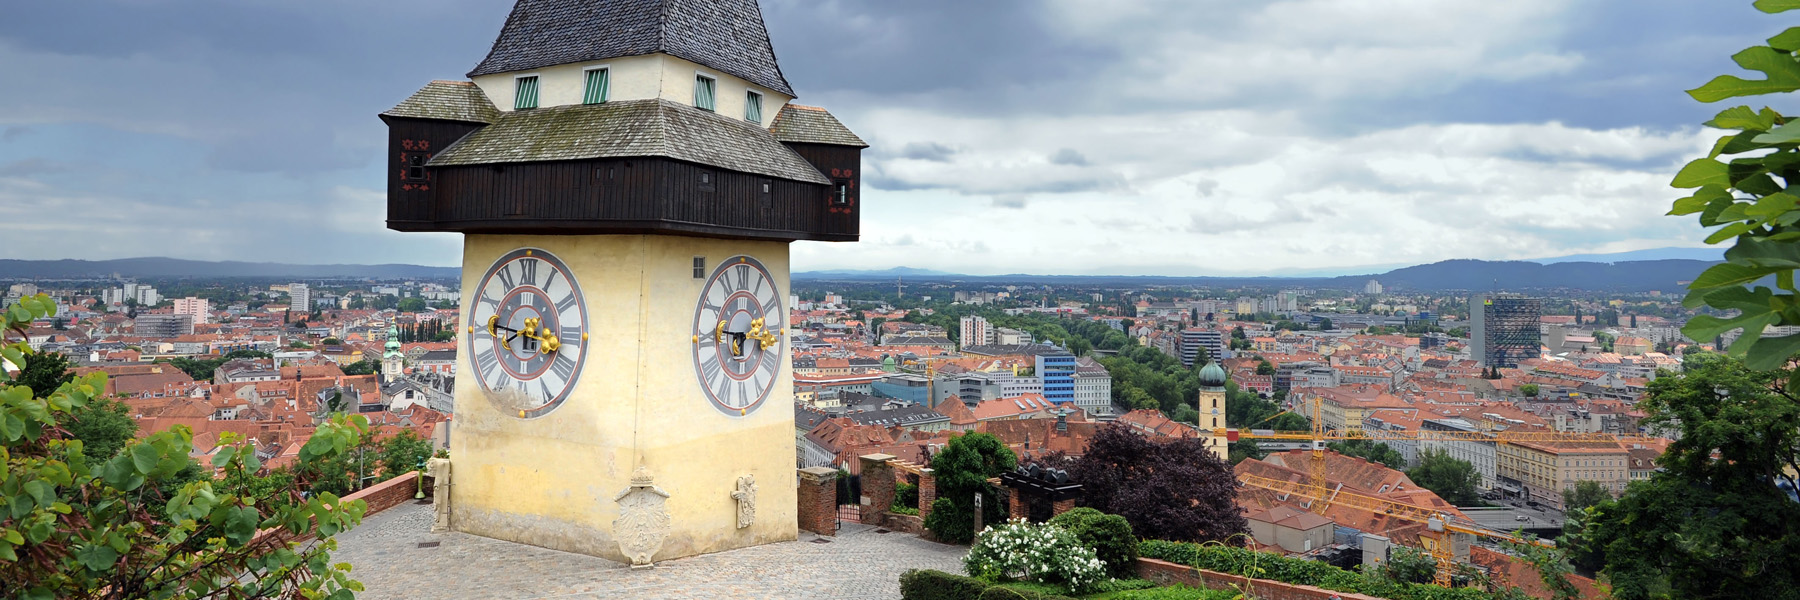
(1066, 138)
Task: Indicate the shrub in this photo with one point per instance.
(903, 510)
(937, 585)
(906, 494)
(1020, 551)
(1108, 535)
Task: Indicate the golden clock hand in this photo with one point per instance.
(550, 342)
(719, 333)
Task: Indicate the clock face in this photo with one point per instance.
(528, 332)
(739, 329)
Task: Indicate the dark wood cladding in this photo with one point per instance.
(620, 196)
(410, 199)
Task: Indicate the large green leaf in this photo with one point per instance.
(1728, 274)
(1756, 252)
(1783, 76)
(145, 457)
(1701, 172)
(1742, 117)
(1785, 134)
(97, 557)
(1786, 41)
(1775, 6)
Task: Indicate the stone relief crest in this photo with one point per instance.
(746, 500)
(643, 520)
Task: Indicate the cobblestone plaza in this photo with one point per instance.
(858, 563)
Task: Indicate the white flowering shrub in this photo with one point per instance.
(1021, 551)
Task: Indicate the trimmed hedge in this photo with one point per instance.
(1109, 535)
(1263, 565)
(926, 584)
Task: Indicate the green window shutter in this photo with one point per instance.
(753, 107)
(703, 92)
(596, 87)
(526, 96)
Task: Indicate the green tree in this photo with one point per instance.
(1453, 479)
(1743, 200)
(1326, 325)
(104, 427)
(1264, 367)
(367, 366)
(76, 528)
(963, 468)
(403, 452)
(412, 305)
(46, 373)
(1373, 451)
(1583, 495)
(1711, 521)
(1529, 390)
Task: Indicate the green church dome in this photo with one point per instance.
(1212, 376)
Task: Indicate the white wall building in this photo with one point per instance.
(198, 308)
(976, 331)
(299, 297)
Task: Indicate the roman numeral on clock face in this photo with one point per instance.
(528, 271)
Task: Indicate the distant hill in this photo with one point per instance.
(174, 268)
(1712, 254)
(1472, 275)
(1479, 275)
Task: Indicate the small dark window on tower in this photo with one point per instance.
(706, 181)
(768, 186)
(607, 173)
(699, 267)
(415, 167)
(840, 193)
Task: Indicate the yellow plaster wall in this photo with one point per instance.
(551, 481)
(634, 78)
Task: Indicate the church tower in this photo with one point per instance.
(393, 361)
(1212, 410)
(627, 175)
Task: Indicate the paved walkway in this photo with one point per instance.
(857, 564)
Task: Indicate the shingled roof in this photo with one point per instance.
(812, 125)
(626, 129)
(447, 100)
(727, 35)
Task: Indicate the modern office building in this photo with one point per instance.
(299, 297)
(1058, 373)
(164, 325)
(1193, 340)
(1506, 329)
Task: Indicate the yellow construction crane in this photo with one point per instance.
(1441, 528)
(1319, 436)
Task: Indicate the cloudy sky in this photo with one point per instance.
(1041, 136)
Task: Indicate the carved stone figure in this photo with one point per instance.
(643, 521)
(439, 470)
(746, 500)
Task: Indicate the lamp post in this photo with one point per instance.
(421, 473)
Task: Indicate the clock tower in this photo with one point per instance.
(627, 175)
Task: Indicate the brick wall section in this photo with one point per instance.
(378, 497)
(1062, 506)
(877, 487)
(1015, 505)
(818, 500)
(927, 491)
(1168, 573)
